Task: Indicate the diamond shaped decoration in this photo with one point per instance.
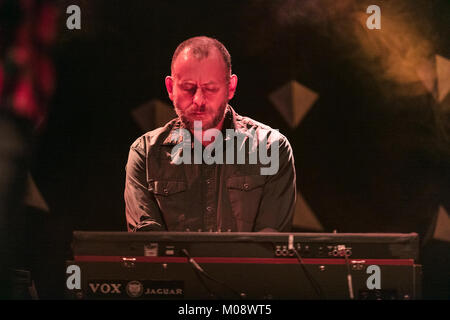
(427, 75)
(152, 114)
(442, 230)
(33, 197)
(304, 217)
(443, 76)
(293, 101)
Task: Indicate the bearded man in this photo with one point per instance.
(203, 192)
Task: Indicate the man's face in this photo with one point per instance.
(199, 89)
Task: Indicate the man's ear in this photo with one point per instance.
(169, 86)
(232, 86)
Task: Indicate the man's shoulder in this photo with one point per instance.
(154, 137)
(263, 130)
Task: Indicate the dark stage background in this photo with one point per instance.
(372, 153)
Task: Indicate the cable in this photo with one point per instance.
(311, 280)
(198, 272)
(202, 272)
(200, 278)
(349, 275)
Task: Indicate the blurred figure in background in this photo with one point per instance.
(27, 31)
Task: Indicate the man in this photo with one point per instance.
(177, 178)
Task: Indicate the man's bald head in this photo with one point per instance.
(200, 48)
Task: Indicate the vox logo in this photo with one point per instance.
(105, 287)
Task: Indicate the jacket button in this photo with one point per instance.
(246, 186)
(209, 209)
(166, 191)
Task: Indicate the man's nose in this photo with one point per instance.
(199, 99)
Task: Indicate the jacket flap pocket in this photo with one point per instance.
(246, 183)
(166, 188)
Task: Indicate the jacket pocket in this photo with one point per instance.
(173, 202)
(245, 194)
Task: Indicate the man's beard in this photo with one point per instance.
(188, 121)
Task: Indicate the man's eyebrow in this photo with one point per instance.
(190, 82)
